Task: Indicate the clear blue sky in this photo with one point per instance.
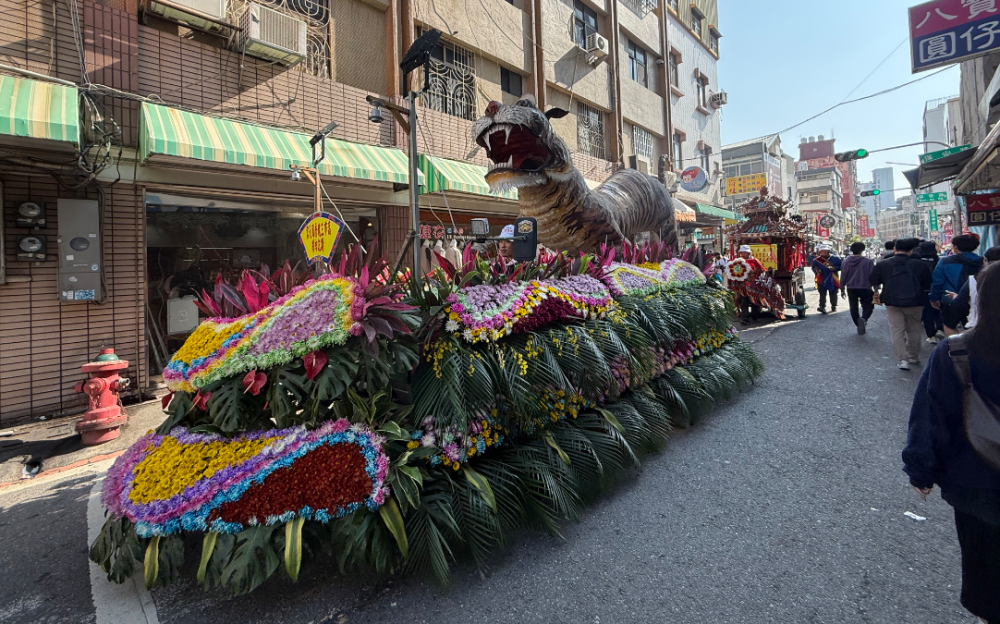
(783, 61)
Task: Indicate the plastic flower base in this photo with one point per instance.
(185, 481)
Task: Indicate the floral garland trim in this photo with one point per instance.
(318, 314)
(650, 278)
(488, 313)
(200, 482)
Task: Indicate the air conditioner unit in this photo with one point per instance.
(718, 100)
(638, 163)
(272, 35)
(597, 48)
(203, 15)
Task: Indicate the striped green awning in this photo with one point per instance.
(712, 211)
(34, 109)
(442, 174)
(172, 132)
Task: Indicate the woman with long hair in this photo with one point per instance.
(938, 450)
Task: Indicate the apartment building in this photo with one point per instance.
(161, 134)
(820, 196)
(749, 165)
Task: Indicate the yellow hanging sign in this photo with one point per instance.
(319, 235)
(767, 254)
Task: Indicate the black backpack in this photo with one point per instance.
(903, 286)
(980, 416)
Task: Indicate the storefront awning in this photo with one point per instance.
(170, 132)
(32, 109)
(442, 174)
(976, 175)
(683, 213)
(713, 211)
(939, 170)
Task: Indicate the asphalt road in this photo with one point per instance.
(785, 505)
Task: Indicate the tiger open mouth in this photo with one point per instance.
(513, 148)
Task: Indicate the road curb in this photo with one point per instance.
(77, 464)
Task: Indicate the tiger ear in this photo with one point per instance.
(556, 113)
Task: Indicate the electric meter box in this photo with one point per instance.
(79, 250)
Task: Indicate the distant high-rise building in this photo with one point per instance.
(884, 182)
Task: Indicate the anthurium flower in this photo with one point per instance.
(201, 400)
(165, 401)
(254, 381)
(314, 363)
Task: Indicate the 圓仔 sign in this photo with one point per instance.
(740, 185)
(932, 156)
(926, 198)
(319, 235)
(944, 32)
(693, 179)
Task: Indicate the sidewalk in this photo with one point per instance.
(56, 444)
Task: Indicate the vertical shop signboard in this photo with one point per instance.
(932, 219)
(319, 235)
(767, 254)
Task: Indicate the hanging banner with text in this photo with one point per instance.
(319, 235)
(932, 220)
(983, 209)
(767, 254)
(740, 185)
(945, 32)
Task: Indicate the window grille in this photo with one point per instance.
(642, 8)
(678, 151)
(452, 86)
(697, 20)
(702, 96)
(642, 143)
(673, 67)
(704, 160)
(675, 5)
(316, 14)
(590, 129)
(714, 42)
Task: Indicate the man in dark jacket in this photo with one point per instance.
(905, 281)
(889, 247)
(951, 273)
(931, 317)
(855, 284)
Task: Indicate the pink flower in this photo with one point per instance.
(253, 382)
(356, 329)
(314, 363)
(458, 307)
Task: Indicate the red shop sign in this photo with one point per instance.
(980, 203)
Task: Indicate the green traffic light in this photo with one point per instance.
(876, 191)
(861, 153)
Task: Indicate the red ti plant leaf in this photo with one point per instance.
(254, 382)
(447, 267)
(165, 401)
(314, 363)
(201, 400)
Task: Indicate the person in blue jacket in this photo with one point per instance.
(938, 451)
(826, 267)
(951, 273)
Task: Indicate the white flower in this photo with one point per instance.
(467, 334)
(451, 326)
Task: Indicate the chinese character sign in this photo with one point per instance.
(319, 235)
(746, 184)
(983, 209)
(943, 32)
(767, 254)
(932, 220)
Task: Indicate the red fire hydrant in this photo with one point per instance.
(104, 415)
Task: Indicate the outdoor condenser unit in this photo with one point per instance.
(272, 35)
(191, 13)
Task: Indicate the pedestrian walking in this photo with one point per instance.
(951, 273)
(904, 282)
(856, 286)
(964, 301)
(749, 308)
(889, 250)
(953, 441)
(826, 267)
(931, 316)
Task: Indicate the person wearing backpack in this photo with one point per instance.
(953, 441)
(951, 273)
(904, 280)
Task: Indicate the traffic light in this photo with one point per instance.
(855, 155)
(870, 193)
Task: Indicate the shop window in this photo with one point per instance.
(510, 82)
(637, 64)
(584, 23)
(452, 86)
(590, 130)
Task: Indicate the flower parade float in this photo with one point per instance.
(394, 427)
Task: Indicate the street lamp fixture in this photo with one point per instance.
(376, 115)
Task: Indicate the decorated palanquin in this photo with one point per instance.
(769, 227)
(402, 426)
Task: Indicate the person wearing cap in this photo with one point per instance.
(505, 246)
(749, 309)
(826, 267)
